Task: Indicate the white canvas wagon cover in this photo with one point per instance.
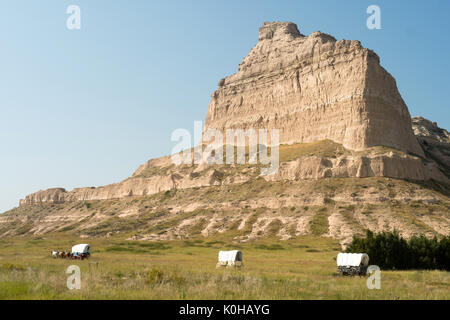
(81, 248)
(230, 256)
(352, 259)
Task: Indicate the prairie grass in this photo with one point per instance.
(303, 268)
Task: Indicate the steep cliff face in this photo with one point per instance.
(313, 88)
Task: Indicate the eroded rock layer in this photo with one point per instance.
(435, 142)
(161, 175)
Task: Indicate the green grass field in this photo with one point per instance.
(303, 268)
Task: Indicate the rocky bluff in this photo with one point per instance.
(312, 89)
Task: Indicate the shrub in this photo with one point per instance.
(319, 222)
(12, 267)
(176, 279)
(274, 227)
(154, 276)
(274, 246)
(157, 276)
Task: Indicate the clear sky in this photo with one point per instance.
(87, 107)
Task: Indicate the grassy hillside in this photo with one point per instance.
(335, 208)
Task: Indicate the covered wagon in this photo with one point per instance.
(352, 263)
(81, 251)
(230, 259)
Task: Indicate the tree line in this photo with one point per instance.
(390, 251)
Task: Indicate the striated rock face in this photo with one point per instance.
(345, 207)
(386, 165)
(435, 142)
(313, 88)
(425, 129)
(55, 195)
(160, 175)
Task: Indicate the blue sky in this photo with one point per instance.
(87, 107)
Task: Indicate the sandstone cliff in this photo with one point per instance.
(313, 88)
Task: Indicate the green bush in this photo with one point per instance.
(389, 251)
(155, 276)
(11, 267)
